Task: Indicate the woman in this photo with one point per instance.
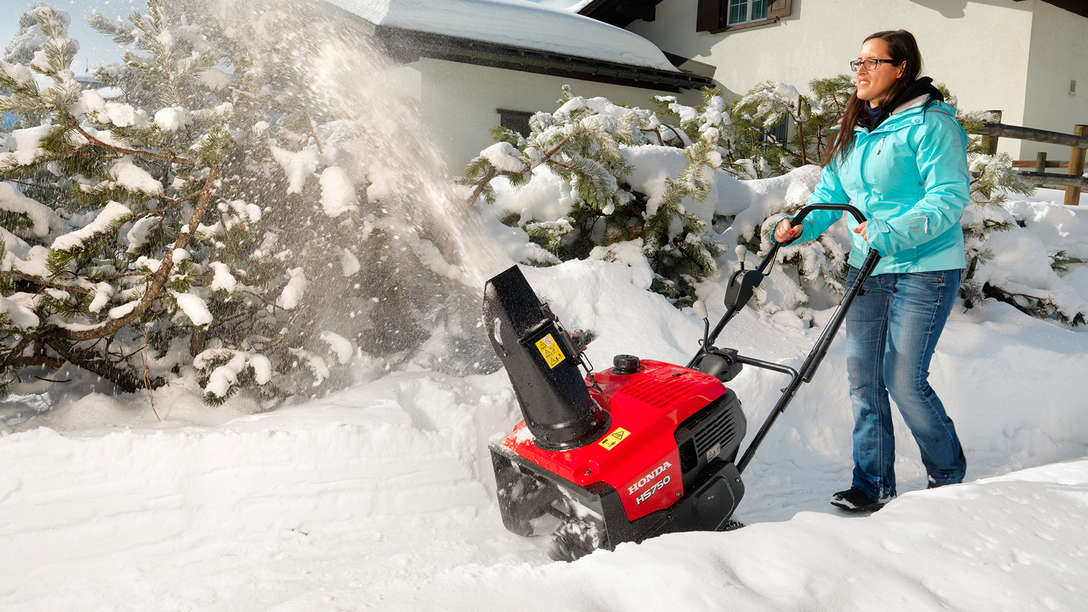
(900, 157)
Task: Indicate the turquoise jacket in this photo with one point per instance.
(909, 178)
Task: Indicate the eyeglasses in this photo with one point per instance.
(870, 64)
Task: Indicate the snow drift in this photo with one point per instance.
(382, 495)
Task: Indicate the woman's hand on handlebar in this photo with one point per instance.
(862, 230)
(784, 231)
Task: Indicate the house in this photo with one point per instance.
(476, 64)
(1027, 58)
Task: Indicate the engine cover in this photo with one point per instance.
(665, 463)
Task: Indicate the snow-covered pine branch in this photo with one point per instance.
(219, 205)
(588, 144)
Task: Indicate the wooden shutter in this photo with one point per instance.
(709, 15)
(779, 9)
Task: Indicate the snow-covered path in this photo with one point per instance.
(381, 496)
(318, 497)
(329, 506)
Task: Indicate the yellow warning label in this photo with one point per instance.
(549, 348)
(618, 435)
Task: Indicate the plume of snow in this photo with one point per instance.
(295, 289)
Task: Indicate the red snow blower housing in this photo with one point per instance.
(638, 450)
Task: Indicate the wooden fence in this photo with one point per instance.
(1073, 180)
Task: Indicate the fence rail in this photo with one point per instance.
(1025, 133)
(1073, 181)
(1031, 163)
(1054, 180)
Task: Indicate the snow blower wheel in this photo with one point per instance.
(637, 450)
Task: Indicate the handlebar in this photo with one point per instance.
(828, 206)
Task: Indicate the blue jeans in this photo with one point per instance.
(891, 332)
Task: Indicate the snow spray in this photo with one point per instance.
(434, 252)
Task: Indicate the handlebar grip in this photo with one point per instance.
(828, 206)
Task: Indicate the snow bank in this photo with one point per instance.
(928, 551)
(382, 496)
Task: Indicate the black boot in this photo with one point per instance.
(855, 500)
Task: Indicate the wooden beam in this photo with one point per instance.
(409, 45)
(1076, 168)
(1055, 180)
(620, 13)
(989, 141)
(1033, 163)
(1026, 133)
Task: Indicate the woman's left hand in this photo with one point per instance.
(861, 230)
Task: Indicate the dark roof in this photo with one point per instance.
(1079, 7)
(410, 45)
(620, 12)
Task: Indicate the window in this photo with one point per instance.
(716, 16)
(781, 131)
(517, 121)
(746, 11)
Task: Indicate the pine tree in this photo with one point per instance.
(581, 141)
(992, 177)
(218, 208)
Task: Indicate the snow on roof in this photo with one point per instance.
(514, 22)
(571, 6)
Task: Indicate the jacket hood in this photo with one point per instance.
(915, 90)
(915, 94)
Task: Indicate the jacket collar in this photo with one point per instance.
(900, 117)
(912, 103)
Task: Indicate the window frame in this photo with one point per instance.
(712, 16)
(748, 4)
(780, 131)
(514, 120)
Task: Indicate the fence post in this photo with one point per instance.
(989, 143)
(1040, 165)
(1076, 166)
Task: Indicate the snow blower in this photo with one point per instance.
(637, 450)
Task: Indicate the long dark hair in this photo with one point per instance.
(903, 48)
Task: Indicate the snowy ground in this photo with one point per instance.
(381, 496)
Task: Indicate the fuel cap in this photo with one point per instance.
(625, 364)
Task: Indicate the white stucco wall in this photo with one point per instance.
(979, 49)
(1059, 54)
(459, 101)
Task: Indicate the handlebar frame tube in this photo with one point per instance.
(819, 350)
(815, 357)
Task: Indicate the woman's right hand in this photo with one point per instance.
(785, 231)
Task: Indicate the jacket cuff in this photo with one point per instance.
(775, 226)
(878, 232)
